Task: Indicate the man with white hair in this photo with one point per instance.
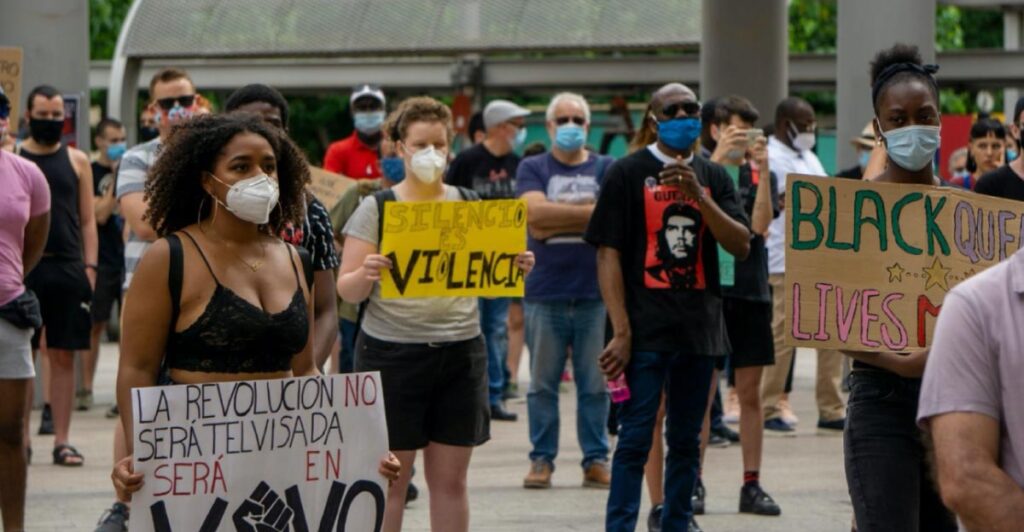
(563, 305)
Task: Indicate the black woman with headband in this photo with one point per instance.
(886, 467)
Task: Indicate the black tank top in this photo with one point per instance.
(232, 335)
(65, 240)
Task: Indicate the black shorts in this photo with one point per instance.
(432, 393)
(65, 299)
(749, 324)
(108, 290)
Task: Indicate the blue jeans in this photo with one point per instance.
(347, 357)
(551, 327)
(494, 325)
(686, 380)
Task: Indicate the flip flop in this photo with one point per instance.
(62, 453)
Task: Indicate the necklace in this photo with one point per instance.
(253, 266)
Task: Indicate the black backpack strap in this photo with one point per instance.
(175, 272)
(307, 265)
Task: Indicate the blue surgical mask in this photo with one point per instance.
(520, 138)
(1011, 155)
(570, 137)
(116, 150)
(863, 158)
(912, 147)
(368, 123)
(393, 169)
(679, 133)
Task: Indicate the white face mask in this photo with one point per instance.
(251, 199)
(428, 164)
(803, 141)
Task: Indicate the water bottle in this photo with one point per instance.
(619, 389)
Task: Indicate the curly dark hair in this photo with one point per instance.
(174, 191)
(897, 64)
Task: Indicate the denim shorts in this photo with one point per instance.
(432, 392)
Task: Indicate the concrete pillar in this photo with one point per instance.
(744, 50)
(1013, 39)
(865, 27)
(54, 35)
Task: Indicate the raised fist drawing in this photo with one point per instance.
(263, 511)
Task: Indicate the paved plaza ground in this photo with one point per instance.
(803, 473)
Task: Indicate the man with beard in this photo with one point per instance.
(66, 275)
(677, 247)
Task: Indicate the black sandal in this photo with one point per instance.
(62, 453)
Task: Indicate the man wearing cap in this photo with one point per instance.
(864, 143)
(489, 168)
(357, 156)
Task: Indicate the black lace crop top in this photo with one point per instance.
(232, 335)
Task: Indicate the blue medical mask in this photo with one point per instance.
(116, 150)
(393, 169)
(863, 158)
(368, 123)
(912, 147)
(570, 137)
(520, 138)
(679, 133)
(1011, 155)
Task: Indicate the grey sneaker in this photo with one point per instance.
(114, 520)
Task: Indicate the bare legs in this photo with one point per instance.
(445, 468)
(516, 339)
(13, 468)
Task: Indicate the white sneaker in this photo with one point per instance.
(786, 411)
(731, 412)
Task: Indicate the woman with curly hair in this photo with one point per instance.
(218, 298)
(429, 351)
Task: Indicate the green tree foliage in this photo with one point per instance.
(812, 26)
(105, 19)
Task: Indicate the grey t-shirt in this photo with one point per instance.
(976, 363)
(413, 320)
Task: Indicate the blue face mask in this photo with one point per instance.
(368, 123)
(115, 151)
(863, 158)
(570, 137)
(1011, 156)
(679, 133)
(912, 147)
(393, 169)
(520, 138)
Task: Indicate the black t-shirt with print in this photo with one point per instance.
(669, 256)
(1002, 182)
(489, 176)
(751, 279)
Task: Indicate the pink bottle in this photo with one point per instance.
(619, 389)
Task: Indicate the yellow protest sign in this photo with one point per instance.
(453, 248)
(868, 264)
(328, 187)
(10, 79)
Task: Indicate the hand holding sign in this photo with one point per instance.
(373, 265)
(126, 480)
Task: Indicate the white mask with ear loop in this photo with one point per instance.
(428, 164)
(251, 199)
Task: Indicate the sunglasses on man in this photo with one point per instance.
(689, 108)
(563, 120)
(184, 101)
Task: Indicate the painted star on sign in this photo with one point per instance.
(937, 275)
(895, 272)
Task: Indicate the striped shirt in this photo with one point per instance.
(131, 179)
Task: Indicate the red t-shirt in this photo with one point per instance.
(351, 158)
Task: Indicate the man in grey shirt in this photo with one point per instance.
(972, 394)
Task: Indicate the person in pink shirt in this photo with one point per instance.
(24, 225)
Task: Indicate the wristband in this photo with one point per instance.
(93, 266)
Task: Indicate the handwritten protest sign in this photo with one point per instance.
(868, 264)
(454, 248)
(328, 187)
(285, 454)
(10, 79)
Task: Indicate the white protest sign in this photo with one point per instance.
(295, 454)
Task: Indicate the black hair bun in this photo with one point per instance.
(899, 53)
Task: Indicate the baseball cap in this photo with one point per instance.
(364, 91)
(500, 111)
(866, 139)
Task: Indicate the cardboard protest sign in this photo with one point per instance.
(453, 248)
(283, 454)
(10, 79)
(868, 264)
(328, 187)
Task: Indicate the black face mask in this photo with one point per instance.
(46, 132)
(147, 134)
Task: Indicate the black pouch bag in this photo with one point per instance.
(23, 311)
